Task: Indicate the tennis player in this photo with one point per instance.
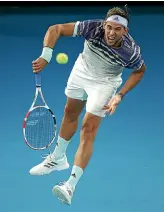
(94, 82)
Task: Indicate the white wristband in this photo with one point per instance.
(47, 54)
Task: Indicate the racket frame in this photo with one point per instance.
(37, 92)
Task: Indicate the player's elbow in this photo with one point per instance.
(55, 29)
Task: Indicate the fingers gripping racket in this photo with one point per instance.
(39, 125)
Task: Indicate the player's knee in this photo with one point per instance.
(88, 132)
(89, 128)
(70, 114)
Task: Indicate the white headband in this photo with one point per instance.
(118, 19)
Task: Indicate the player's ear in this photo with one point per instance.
(104, 24)
(126, 30)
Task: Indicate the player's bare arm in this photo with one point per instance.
(132, 81)
(52, 35)
(55, 31)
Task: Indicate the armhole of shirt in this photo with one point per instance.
(139, 66)
(75, 29)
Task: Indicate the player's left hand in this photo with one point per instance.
(112, 104)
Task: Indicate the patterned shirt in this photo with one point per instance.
(100, 59)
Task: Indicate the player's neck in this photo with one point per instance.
(118, 44)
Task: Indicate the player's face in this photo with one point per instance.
(113, 33)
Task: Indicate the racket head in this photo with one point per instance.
(39, 128)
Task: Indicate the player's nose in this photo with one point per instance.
(112, 32)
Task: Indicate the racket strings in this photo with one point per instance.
(40, 129)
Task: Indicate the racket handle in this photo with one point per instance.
(38, 80)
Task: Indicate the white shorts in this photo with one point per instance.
(87, 88)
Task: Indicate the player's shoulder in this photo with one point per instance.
(91, 24)
(132, 52)
(89, 28)
(129, 41)
(130, 47)
(95, 22)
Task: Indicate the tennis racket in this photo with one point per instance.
(39, 125)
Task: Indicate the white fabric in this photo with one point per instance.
(47, 54)
(75, 176)
(118, 19)
(75, 29)
(60, 148)
(85, 87)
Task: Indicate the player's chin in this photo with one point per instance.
(111, 42)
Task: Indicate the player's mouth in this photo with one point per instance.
(111, 38)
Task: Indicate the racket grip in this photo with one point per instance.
(38, 80)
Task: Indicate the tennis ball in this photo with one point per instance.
(62, 58)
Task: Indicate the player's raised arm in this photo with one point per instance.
(55, 31)
(50, 38)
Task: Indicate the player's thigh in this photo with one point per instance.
(75, 88)
(76, 99)
(76, 94)
(74, 106)
(97, 98)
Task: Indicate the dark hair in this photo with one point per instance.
(118, 11)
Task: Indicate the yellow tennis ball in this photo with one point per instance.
(62, 58)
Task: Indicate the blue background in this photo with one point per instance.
(126, 171)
